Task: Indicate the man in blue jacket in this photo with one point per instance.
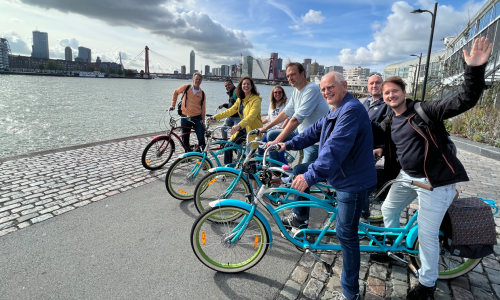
(345, 161)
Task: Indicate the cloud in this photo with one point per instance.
(16, 43)
(295, 27)
(404, 33)
(313, 17)
(16, 20)
(71, 42)
(160, 17)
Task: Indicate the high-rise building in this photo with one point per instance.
(339, 69)
(207, 70)
(279, 64)
(321, 70)
(85, 54)
(68, 54)
(307, 66)
(98, 60)
(314, 69)
(191, 62)
(183, 69)
(274, 67)
(247, 66)
(224, 70)
(4, 54)
(40, 48)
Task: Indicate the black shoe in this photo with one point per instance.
(383, 257)
(421, 292)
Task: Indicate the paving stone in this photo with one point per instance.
(493, 275)
(365, 258)
(7, 230)
(313, 288)
(459, 293)
(334, 284)
(26, 218)
(490, 263)
(318, 272)
(461, 282)
(480, 293)
(399, 273)
(496, 289)
(441, 296)
(369, 296)
(41, 218)
(300, 274)
(378, 271)
(478, 268)
(399, 289)
(363, 270)
(442, 286)
(478, 280)
(291, 290)
(376, 286)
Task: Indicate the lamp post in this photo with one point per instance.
(417, 75)
(419, 11)
(413, 81)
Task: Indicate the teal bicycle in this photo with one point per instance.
(232, 244)
(231, 182)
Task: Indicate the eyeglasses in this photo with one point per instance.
(278, 92)
(328, 88)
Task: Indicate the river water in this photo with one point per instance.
(41, 112)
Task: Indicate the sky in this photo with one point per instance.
(349, 33)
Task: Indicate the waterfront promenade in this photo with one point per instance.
(68, 213)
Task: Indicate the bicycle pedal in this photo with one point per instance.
(327, 269)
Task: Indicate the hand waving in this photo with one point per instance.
(479, 54)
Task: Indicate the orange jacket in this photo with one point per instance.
(193, 107)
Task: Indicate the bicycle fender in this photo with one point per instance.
(412, 237)
(246, 206)
(227, 169)
(158, 136)
(196, 154)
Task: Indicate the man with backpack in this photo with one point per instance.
(418, 148)
(193, 106)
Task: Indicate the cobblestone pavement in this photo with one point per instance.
(392, 280)
(38, 188)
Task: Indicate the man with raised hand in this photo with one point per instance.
(305, 107)
(345, 161)
(234, 119)
(421, 151)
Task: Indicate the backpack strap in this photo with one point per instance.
(202, 98)
(422, 114)
(185, 94)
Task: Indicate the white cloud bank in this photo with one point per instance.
(313, 17)
(405, 33)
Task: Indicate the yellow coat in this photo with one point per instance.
(251, 118)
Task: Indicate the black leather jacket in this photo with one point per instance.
(441, 164)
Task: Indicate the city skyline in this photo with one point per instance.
(304, 30)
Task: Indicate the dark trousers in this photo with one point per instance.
(197, 123)
(240, 138)
(301, 212)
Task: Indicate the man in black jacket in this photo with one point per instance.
(234, 119)
(423, 152)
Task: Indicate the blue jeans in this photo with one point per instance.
(198, 128)
(228, 154)
(349, 209)
(310, 154)
(281, 154)
(230, 122)
(432, 207)
(273, 134)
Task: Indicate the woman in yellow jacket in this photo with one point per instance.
(248, 107)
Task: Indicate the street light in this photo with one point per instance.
(419, 11)
(417, 75)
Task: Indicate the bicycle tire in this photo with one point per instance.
(209, 246)
(179, 180)
(213, 185)
(159, 155)
(460, 265)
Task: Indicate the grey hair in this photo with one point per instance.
(197, 74)
(339, 78)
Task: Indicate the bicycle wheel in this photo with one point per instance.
(211, 242)
(181, 179)
(449, 266)
(157, 153)
(216, 186)
(294, 157)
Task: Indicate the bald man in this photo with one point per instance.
(374, 104)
